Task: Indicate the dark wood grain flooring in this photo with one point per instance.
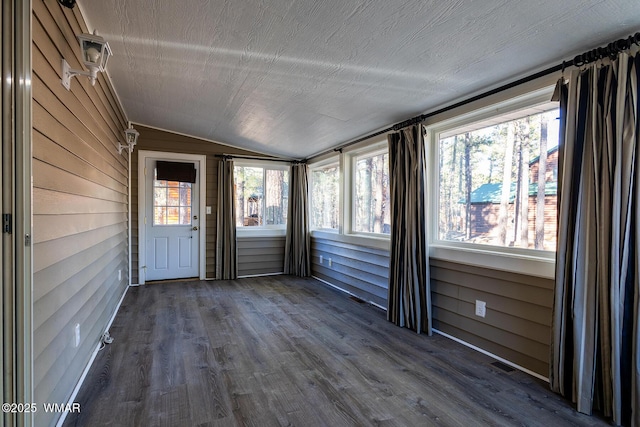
(284, 351)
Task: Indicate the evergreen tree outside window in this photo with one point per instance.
(325, 197)
(372, 204)
(262, 196)
(498, 181)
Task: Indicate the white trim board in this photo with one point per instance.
(348, 293)
(493, 356)
(164, 155)
(248, 276)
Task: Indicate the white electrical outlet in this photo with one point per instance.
(321, 259)
(76, 337)
(481, 308)
(208, 210)
(120, 274)
(329, 261)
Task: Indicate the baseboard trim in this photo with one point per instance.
(451, 337)
(74, 394)
(493, 356)
(260, 275)
(348, 292)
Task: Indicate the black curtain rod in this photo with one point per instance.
(270, 159)
(593, 55)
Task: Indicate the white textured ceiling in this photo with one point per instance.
(296, 77)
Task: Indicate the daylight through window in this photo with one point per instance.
(261, 196)
(371, 196)
(498, 182)
(325, 195)
(171, 202)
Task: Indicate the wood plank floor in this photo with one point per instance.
(286, 351)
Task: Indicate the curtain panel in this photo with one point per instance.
(226, 251)
(409, 294)
(595, 358)
(297, 252)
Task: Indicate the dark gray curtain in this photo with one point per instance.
(594, 351)
(297, 250)
(226, 252)
(409, 297)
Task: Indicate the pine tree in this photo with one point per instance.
(503, 214)
(542, 178)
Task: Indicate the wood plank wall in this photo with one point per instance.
(359, 270)
(80, 188)
(260, 255)
(517, 326)
(159, 140)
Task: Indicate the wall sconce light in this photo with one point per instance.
(95, 54)
(131, 139)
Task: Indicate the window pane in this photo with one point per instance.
(173, 196)
(277, 196)
(491, 188)
(325, 197)
(159, 215)
(372, 203)
(262, 196)
(172, 202)
(173, 216)
(185, 197)
(185, 215)
(160, 196)
(249, 188)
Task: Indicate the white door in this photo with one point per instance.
(171, 226)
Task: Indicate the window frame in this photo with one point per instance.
(372, 150)
(345, 159)
(518, 260)
(261, 230)
(333, 161)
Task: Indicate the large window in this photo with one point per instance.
(262, 195)
(325, 197)
(498, 180)
(492, 181)
(371, 201)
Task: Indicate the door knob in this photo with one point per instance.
(195, 228)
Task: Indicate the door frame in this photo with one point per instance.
(201, 159)
(16, 296)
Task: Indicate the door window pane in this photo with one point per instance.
(171, 202)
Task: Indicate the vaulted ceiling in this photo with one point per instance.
(296, 77)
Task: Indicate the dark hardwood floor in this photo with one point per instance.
(281, 350)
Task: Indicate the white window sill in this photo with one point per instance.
(248, 232)
(536, 263)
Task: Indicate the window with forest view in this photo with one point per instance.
(372, 204)
(261, 195)
(498, 181)
(325, 202)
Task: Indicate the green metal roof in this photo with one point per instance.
(492, 193)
